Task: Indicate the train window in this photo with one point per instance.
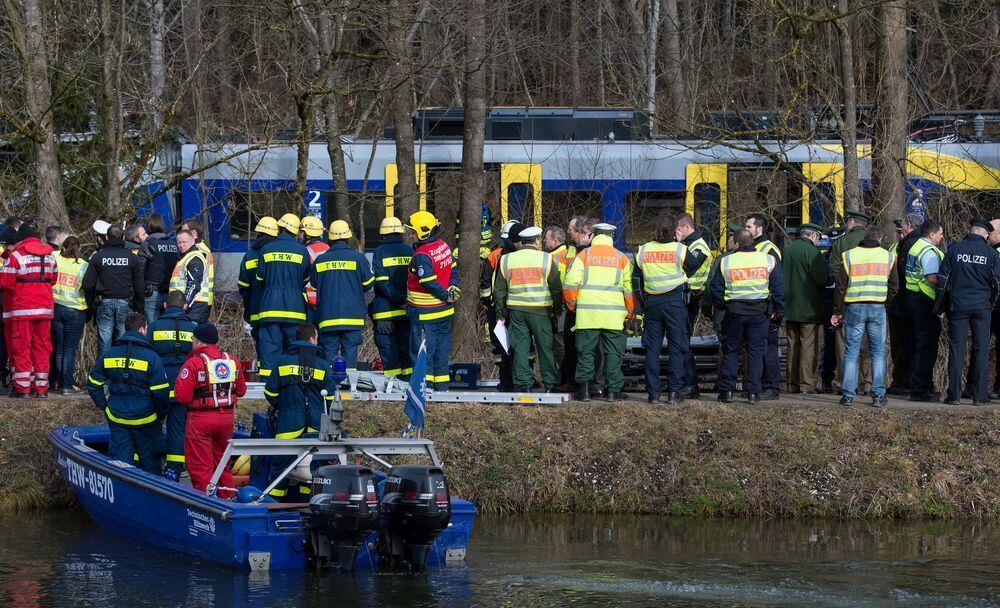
(822, 203)
(706, 212)
(643, 211)
(245, 208)
(561, 205)
(506, 129)
(521, 203)
(363, 208)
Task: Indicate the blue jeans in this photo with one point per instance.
(67, 330)
(110, 322)
(860, 319)
(154, 306)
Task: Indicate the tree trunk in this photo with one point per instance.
(674, 68)
(652, 32)
(468, 326)
(993, 50)
(38, 94)
(574, 52)
(407, 195)
(849, 127)
(304, 110)
(157, 63)
(889, 153)
(332, 131)
(602, 93)
(110, 110)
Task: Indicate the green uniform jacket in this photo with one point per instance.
(844, 243)
(805, 275)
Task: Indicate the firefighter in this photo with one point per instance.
(250, 290)
(528, 295)
(294, 392)
(756, 223)
(136, 383)
(341, 276)
(431, 293)
(599, 290)
(701, 255)
(29, 275)
(209, 384)
(312, 227)
(191, 277)
(281, 276)
(171, 336)
(390, 261)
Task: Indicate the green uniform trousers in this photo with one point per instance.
(613, 341)
(523, 327)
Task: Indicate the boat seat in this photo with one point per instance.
(286, 506)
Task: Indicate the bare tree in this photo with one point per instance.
(889, 153)
(849, 123)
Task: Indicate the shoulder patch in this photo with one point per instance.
(184, 373)
(420, 271)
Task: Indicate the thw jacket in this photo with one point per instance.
(341, 277)
(29, 275)
(134, 378)
(293, 389)
(390, 262)
(282, 274)
(250, 290)
(170, 336)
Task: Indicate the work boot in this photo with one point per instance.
(770, 394)
(690, 391)
(951, 401)
(846, 401)
(72, 390)
(995, 393)
(932, 397)
(879, 401)
(617, 396)
(674, 398)
(753, 398)
(583, 392)
(979, 403)
(725, 396)
(653, 398)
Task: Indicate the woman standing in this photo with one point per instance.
(70, 315)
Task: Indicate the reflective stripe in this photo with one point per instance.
(119, 363)
(527, 275)
(282, 256)
(916, 281)
(269, 393)
(263, 373)
(746, 275)
(867, 274)
(90, 379)
(332, 322)
(396, 261)
(30, 311)
(159, 387)
(278, 493)
(282, 314)
(178, 279)
(172, 336)
(430, 316)
(337, 265)
(662, 266)
(699, 279)
(428, 279)
(175, 458)
(444, 378)
(289, 434)
(130, 422)
(767, 247)
(389, 314)
(298, 370)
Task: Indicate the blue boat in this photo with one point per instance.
(254, 535)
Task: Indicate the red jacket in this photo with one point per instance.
(29, 275)
(192, 388)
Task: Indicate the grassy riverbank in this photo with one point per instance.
(788, 460)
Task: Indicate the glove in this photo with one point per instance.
(385, 327)
(454, 293)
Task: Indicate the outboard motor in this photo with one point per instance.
(416, 506)
(343, 510)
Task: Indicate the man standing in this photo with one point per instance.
(281, 276)
(208, 384)
(501, 357)
(171, 336)
(390, 262)
(29, 275)
(901, 340)
(312, 227)
(554, 242)
(854, 224)
(528, 295)
(923, 261)
(250, 290)
(749, 287)
(137, 384)
(994, 242)
(580, 232)
(159, 256)
(967, 289)
(191, 277)
(804, 271)
(113, 280)
(341, 276)
(135, 236)
(701, 258)
(756, 224)
(867, 279)
(598, 290)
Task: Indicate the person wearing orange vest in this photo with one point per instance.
(312, 227)
(748, 286)
(503, 359)
(579, 233)
(554, 242)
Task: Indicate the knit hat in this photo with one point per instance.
(25, 232)
(207, 333)
(8, 236)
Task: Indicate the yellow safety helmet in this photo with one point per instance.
(290, 222)
(242, 465)
(312, 226)
(391, 225)
(339, 230)
(422, 223)
(267, 225)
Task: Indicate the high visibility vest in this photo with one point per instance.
(68, 288)
(767, 247)
(894, 248)
(746, 274)
(915, 279)
(209, 266)
(599, 286)
(527, 275)
(562, 261)
(662, 266)
(699, 279)
(867, 274)
(315, 249)
(178, 280)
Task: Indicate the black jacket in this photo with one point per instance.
(159, 256)
(969, 273)
(115, 273)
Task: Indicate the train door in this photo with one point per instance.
(392, 180)
(521, 193)
(707, 200)
(822, 193)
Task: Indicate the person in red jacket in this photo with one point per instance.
(209, 384)
(8, 238)
(29, 275)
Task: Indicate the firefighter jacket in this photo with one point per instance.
(135, 381)
(341, 276)
(115, 273)
(282, 274)
(528, 281)
(432, 271)
(316, 248)
(29, 275)
(250, 290)
(209, 379)
(293, 389)
(159, 256)
(193, 275)
(599, 286)
(68, 290)
(390, 262)
(170, 336)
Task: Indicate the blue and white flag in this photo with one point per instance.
(416, 390)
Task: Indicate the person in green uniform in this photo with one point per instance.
(854, 225)
(805, 274)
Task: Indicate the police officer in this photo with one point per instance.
(250, 290)
(901, 340)
(294, 392)
(191, 278)
(967, 288)
(312, 227)
(390, 261)
(159, 256)
(196, 228)
(748, 286)
(502, 358)
(756, 223)
(923, 261)
(431, 293)
(660, 277)
(994, 242)
(528, 295)
(135, 379)
(580, 233)
(700, 257)
(171, 336)
(281, 275)
(341, 276)
(114, 281)
(599, 290)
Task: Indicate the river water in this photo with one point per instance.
(62, 559)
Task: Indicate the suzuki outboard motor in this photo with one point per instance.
(343, 510)
(416, 506)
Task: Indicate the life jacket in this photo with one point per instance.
(216, 383)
